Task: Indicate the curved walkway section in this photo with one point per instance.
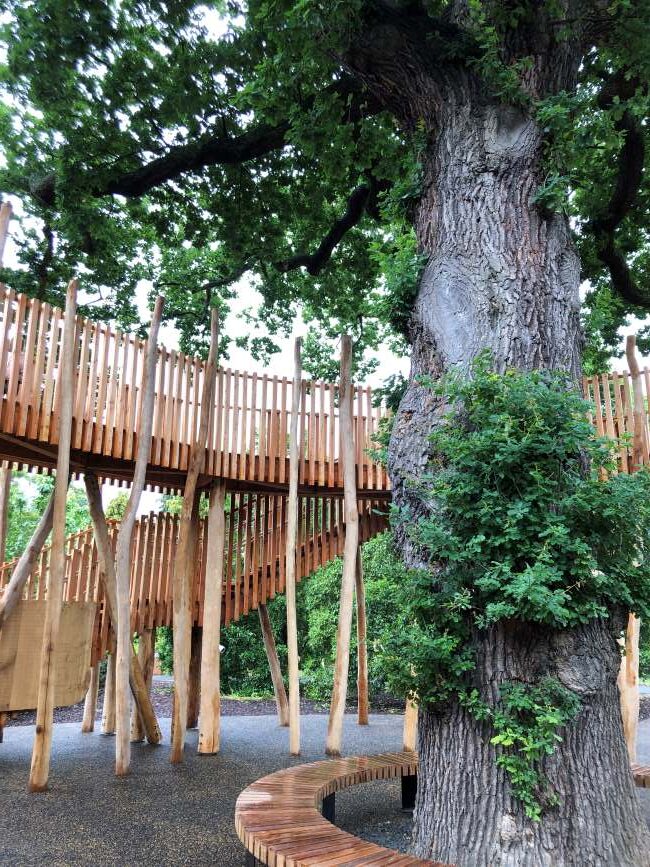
(279, 820)
(249, 424)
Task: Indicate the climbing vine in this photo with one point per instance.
(521, 526)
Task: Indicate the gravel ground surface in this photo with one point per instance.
(162, 701)
(181, 815)
(169, 815)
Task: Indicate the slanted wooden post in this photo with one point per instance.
(5, 490)
(210, 707)
(410, 734)
(146, 654)
(5, 470)
(628, 680)
(362, 646)
(340, 686)
(109, 583)
(295, 447)
(40, 768)
(90, 703)
(194, 693)
(108, 708)
(281, 701)
(183, 570)
(123, 553)
(23, 569)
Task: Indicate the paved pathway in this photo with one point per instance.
(175, 815)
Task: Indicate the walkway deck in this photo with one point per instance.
(248, 434)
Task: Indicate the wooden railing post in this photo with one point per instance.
(291, 546)
(341, 668)
(410, 734)
(210, 707)
(362, 645)
(123, 554)
(40, 768)
(146, 655)
(90, 702)
(184, 559)
(628, 680)
(279, 691)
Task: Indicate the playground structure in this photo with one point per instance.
(237, 441)
(291, 485)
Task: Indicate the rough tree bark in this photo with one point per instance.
(501, 273)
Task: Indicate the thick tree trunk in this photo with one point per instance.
(465, 813)
(503, 275)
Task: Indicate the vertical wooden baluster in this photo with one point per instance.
(244, 422)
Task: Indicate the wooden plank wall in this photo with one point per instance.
(248, 438)
(254, 561)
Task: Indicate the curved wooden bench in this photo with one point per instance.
(279, 820)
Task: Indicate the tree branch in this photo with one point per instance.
(361, 200)
(212, 150)
(628, 181)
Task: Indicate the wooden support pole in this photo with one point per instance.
(290, 569)
(281, 701)
(628, 685)
(108, 708)
(14, 589)
(639, 441)
(5, 471)
(628, 680)
(183, 568)
(109, 582)
(210, 707)
(410, 734)
(146, 654)
(5, 490)
(123, 553)
(341, 668)
(362, 646)
(90, 703)
(194, 693)
(40, 767)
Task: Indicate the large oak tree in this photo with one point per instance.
(441, 171)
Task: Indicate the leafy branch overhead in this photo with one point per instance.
(272, 139)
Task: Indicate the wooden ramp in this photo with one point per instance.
(254, 559)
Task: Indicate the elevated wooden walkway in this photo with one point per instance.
(249, 425)
(254, 559)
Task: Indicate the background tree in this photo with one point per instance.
(428, 171)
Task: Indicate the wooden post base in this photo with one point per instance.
(409, 791)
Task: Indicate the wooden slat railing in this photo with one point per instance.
(613, 412)
(254, 558)
(248, 439)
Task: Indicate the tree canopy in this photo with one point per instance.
(190, 144)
